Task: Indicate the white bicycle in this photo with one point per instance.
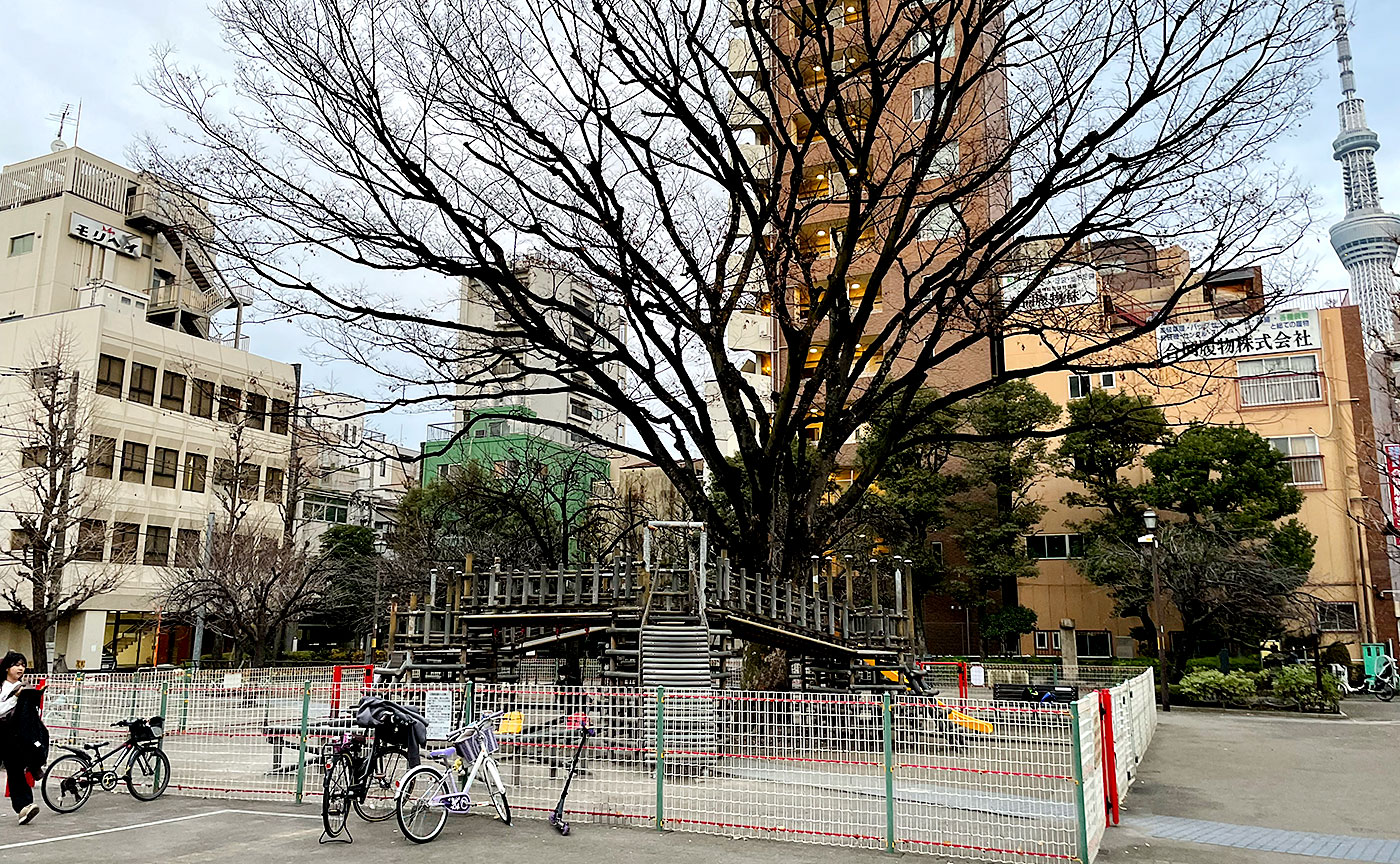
(428, 793)
(1382, 685)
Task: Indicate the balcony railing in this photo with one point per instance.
(1307, 470)
(1287, 389)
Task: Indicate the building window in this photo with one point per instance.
(202, 398)
(223, 473)
(323, 508)
(924, 101)
(281, 410)
(1047, 641)
(229, 401)
(157, 546)
(172, 391)
(110, 372)
(1337, 617)
(1078, 386)
(187, 548)
(248, 475)
(92, 540)
(34, 456)
(383, 467)
(272, 490)
(1108, 380)
(164, 467)
(1055, 546)
(939, 224)
(1279, 380)
(22, 244)
(1304, 459)
(195, 467)
(134, 461)
(125, 537)
(579, 410)
(102, 453)
(143, 384)
(256, 415)
(1093, 643)
(497, 428)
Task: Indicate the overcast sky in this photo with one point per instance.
(66, 50)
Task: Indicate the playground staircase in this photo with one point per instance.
(675, 652)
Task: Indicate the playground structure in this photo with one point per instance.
(652, 626)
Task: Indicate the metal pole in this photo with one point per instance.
(660, 758)
(206, 558)
(1157, 612)
(887, 733)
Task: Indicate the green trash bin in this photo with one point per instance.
(1371, 654)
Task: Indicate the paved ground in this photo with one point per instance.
(1229, 786)
(113, 828)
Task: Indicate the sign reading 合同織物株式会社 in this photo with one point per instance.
(1276, 333)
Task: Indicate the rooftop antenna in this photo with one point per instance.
(62, 118)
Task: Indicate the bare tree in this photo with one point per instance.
(260, 577)
(893, 183)
(56, 552)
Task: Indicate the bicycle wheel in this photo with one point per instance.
(419, 807)
(336, 795)
(1385, 691)
(498, 792)
(148, 774)
(381, 787)
(67, 784)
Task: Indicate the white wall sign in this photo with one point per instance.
(437, 707)
(1239, 337)
(124, 242)
(1067, 286)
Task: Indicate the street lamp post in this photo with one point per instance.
(1149, 521)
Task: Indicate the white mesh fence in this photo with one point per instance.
(1091, 772)
(963, 778)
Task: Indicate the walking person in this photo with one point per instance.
(24, 742)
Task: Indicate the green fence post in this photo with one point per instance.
(660, 758)
(1081, 812)
(887, 727)
(301, 739)
(164, 704)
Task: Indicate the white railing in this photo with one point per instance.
(1286, 389)
(1307, 470)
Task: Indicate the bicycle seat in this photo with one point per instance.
(93, 747)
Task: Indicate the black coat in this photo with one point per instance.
(30, 742)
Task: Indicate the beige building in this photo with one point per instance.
(1297, 378)
(95, 259)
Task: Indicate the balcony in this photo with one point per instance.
(750, 331)
(743, 61)
(71, 170)
(759, 159)
(741, 116)
(1290, 389)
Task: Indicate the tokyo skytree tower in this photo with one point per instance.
(1368, 238)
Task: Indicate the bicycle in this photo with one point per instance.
(1382, 685)
(429, 792)
(361, 773)
(69, 780)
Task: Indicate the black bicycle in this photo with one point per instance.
(361, 772)
(138, 761)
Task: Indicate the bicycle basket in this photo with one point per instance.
(147, 730)
(482, 740)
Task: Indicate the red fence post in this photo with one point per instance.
(962, 680)
(1110, 758)
(335, 688)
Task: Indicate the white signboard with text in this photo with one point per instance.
(1239, 337)
(123, 242)
(1067, 286)
(437, 707)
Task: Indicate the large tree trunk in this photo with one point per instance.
(38, 648)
